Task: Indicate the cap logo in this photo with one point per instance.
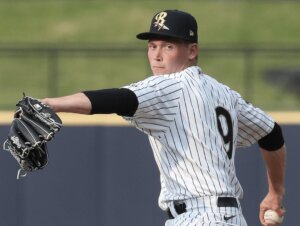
(160, 21)
(192, 33)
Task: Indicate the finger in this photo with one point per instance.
(261, 217)
(281, 211)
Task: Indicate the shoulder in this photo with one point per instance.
(157, 81)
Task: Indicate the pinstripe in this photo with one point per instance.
(199, 182)
(252, 120)
(165, 167)
(185, 162)
(203, 128)
(197, 129)
(174, 157)
(178, 113)
(158, 102)
(162, 108)
(178, 166)
(157, 97)
(203, 175)
(211, 143)
(194, 117)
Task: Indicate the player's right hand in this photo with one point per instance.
(274, 202)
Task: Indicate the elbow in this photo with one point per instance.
(272, 141)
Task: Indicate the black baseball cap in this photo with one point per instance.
(173, 24)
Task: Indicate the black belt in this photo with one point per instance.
(222, 202)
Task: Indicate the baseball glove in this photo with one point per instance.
(34, 124)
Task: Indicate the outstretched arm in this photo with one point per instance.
(75, 103)
(121, 101)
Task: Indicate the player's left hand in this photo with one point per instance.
(274, 202)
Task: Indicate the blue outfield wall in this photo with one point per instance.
(107, 176)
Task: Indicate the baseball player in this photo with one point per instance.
(194, 124)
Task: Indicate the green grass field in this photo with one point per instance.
(115, 23)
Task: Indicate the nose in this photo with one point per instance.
(157, 54)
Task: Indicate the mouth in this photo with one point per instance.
(157, 67)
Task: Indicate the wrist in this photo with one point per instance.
(278, 191)
(49, 102)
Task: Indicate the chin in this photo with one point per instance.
(158, 72)
(161, 71)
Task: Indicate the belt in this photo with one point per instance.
(222, 202)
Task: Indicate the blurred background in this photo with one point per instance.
(50, 48)
(104, 173)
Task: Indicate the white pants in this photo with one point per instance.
(205, 212)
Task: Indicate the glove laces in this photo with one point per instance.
(21, 173)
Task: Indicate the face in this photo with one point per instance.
(169, 56)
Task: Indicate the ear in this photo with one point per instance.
(193, 51)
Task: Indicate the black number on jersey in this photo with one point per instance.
(228, 137)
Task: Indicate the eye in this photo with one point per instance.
(151, 46)
(169, 46)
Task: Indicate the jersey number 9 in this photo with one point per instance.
(225, 129)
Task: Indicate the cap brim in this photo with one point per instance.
(153, 35)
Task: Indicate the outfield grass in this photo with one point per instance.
(119, 21)
(110, 23)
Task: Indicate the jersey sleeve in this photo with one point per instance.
(158, 98)
(253, 123)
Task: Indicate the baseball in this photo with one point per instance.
(271, 217)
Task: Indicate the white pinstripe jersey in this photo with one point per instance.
(195, 124)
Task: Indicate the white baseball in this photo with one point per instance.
(271, 217)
